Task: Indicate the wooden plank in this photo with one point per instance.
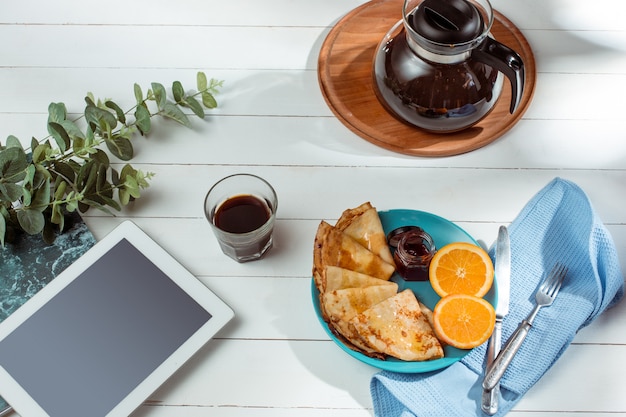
(181, 13)
(308, 141)
(458, 194)
(304, 378)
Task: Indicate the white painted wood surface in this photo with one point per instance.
(275, 359)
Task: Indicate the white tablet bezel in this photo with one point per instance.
(220, 313)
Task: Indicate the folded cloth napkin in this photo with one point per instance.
(557, 225)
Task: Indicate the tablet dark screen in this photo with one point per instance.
(87, 348)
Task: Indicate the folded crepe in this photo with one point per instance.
(340, 306)
(363, 224)
(333, 247)
(397, 327)
(337, 278)
(344, 304)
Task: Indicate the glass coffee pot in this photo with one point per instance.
(440, 70)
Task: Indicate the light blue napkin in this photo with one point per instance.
(557, 225)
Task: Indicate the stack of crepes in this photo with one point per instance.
(352, 267)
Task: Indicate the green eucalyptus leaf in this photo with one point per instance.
(172, 111)
(41, 197)
(39, 152)
(118, 111)
(64, 172)
(160, 95)
(13, 142)
(101, 180)
(74, 165)
(92, 98)
(120, 147)
(99, 117)
(142, 119)
(73, 201)
(90, 183)
(59, 191)
(94, 197)
(33, 143)
(201, 81)
(194, 105)
(90, 137)
(142, 179)
(83, 173)
(27, 197)
(57, 112)
(178, 91)
(131, 185)
(124, 196)
(101, 157)
(72, 129)
(56, 216)
(71, 206)
(128, 170)
(89, 100)
(138, 93)
(30, 174)
(4, 212)
(11, 192)
(97, 204)
(115, 177)
(78, 146)
(3, 230)
(83, 206)
(208, 100)
(111, 202)
(31, 221)
(41, 175)
(60, 135)
(132, 181)
(12, 164)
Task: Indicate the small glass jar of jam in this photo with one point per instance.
(414, 250)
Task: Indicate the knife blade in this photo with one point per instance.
(489, 403)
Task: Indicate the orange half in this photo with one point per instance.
(461, 268)
(463, 321)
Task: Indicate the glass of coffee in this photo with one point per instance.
(241, 209)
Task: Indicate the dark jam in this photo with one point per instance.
(413, 254)
(436, 97)
(242, 214)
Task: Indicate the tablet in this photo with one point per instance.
(106, 332)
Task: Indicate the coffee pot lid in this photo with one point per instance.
(448, 21)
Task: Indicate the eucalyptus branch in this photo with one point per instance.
(68, 170)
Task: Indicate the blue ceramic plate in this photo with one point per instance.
(442, 232)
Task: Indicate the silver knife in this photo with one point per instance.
(489, 403)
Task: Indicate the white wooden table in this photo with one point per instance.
(274, 359)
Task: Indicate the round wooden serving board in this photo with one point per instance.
(345, 71)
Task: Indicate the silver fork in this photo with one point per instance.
(544, 297)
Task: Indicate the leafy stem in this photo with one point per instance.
(69, 170)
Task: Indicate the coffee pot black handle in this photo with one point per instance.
(505, 60)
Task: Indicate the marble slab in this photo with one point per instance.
(28, 264)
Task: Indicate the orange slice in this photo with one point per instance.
(463, 321)
(461, 268)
